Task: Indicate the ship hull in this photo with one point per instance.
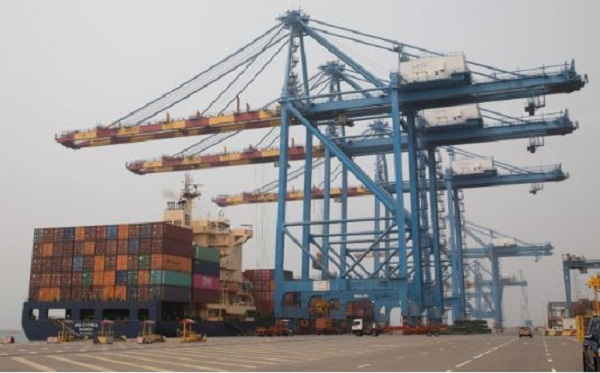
(39, 320)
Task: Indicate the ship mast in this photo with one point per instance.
(186, 200)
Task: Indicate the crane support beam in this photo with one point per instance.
(453, 135)
(574, 262)
(552, 174)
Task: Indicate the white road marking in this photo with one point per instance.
(554, 370)
(146, 367)
(84, 365)
(362, 366)
(478, 356)
(194, 367)
(463, 363)
(212, 361)
(549, 360)
(424, 353)
(31, 364)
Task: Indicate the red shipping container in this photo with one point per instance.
(46, 265)
(101, 247)
(56, 264)
(35, 280)
(96, 292)
(68, 249)
(37, 250)
(134, 230)
(123, 247)
(101, 232)
(65, 279)
(90, 233)
(76, 293)
(36, 265)
(132, 262)
(67, 264)
(57, 249)
(111, 247)
(45, 280)
(77, 279)
(108, 293)
(110, 263)
(206, 282)
(89, 248)
(145, 246)
(78, 248)
(204, 296)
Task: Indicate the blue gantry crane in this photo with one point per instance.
(575, 262)
(327, 107)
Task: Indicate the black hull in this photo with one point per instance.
(37, 325)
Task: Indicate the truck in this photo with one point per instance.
(365, 326)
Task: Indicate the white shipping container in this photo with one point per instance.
(451, 115)
(432, 68)
(503, 242)
(472, 166)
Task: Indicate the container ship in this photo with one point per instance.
(166, 271)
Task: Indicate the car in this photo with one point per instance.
(591, 346)
(525, 331)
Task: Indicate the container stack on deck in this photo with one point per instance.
(149, 261)
(263, 288)
(206, 275)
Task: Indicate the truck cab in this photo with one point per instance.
(591, 346)
(363, 326)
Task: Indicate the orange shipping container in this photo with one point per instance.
(121, 262)
(47, 249)
(98, 278)
(121, 292)
(109, 277)
(49, 294)
(79, 233)
(108, 293)
(99, 263)
(123, 231)
(166, 262)
(143, 277)
(89, 248)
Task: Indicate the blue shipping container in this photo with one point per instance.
(121, 278)
(133, 245)
(206, 268)
(113, 232)
(78, 263)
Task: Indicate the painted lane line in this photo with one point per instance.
(194, 367)
(463, 363)
(478, 356)
(31, 364)
(145, 367)
(554, 370)
(195, 360)
(364, 365)
(549, 360)
(84, 365)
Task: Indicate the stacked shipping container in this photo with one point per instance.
(149, 261)
(263, 287)
(206, 275)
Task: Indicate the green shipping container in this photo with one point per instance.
(207, 254)
(132, 277)
(170, 278)
(88, 278)
(144, 262)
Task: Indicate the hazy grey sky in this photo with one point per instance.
(72, 64)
